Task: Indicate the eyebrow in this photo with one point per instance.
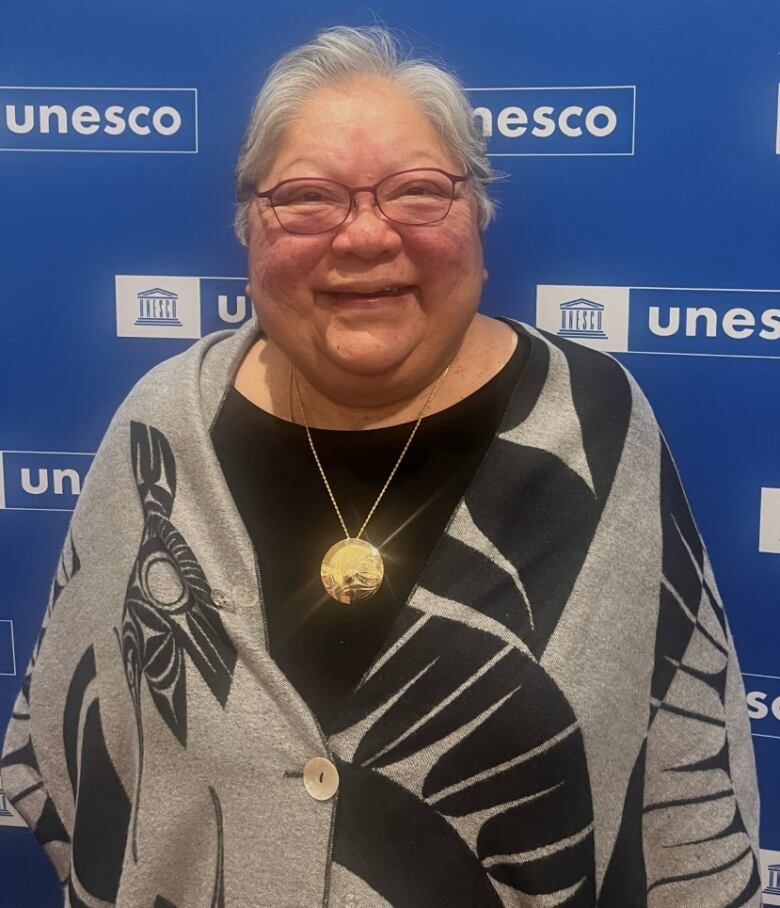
(416, 153)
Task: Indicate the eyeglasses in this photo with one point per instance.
(411, 197)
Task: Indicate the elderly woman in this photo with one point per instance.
(379, 601)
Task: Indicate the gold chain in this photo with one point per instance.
(294, 382)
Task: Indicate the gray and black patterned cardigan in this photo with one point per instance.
(557, 718)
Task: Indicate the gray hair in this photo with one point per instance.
(339, 53)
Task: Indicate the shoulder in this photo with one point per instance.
(178, 397)
(198, 376)
(601, 389)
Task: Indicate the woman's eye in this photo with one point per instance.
(421, 189)
(303, 195)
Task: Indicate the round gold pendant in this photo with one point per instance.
(352, 570)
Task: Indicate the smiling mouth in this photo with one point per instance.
(369, 296)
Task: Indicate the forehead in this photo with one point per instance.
(364, 125)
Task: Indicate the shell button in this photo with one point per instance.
(321, 778)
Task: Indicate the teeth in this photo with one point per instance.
(395, 291)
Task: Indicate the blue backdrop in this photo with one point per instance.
(639, 213)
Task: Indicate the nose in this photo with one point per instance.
(366, 232)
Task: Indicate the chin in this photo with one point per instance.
(369, 352)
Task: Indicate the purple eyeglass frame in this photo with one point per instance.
(354, 190)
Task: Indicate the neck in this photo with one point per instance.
(264, 378)
(329, 414)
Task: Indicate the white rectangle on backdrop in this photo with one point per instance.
(594, 316)
(144, 308)
(769, 530)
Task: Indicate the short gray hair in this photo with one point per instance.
(339, 53)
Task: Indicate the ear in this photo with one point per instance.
(248, 289)
(485, 275)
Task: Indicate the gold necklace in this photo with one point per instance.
(352, 569)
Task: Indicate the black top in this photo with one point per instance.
(322, 646)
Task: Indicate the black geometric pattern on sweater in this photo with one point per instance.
(168, 617)
(603, 402)
(168, 614)
(102, 814)
(463, 716)
(560, 511)
(625, 882)
(688, 703)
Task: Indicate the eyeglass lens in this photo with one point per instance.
(414, 198)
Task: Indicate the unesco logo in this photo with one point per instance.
(685, 321)
(582, 319)
(42, 480)
(157, 308)
(179, 307)
(562, 121)
(770, 877)
(131, 120)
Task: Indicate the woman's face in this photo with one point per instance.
(358, 133)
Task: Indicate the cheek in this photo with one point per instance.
(280, 269)
(449, 255)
